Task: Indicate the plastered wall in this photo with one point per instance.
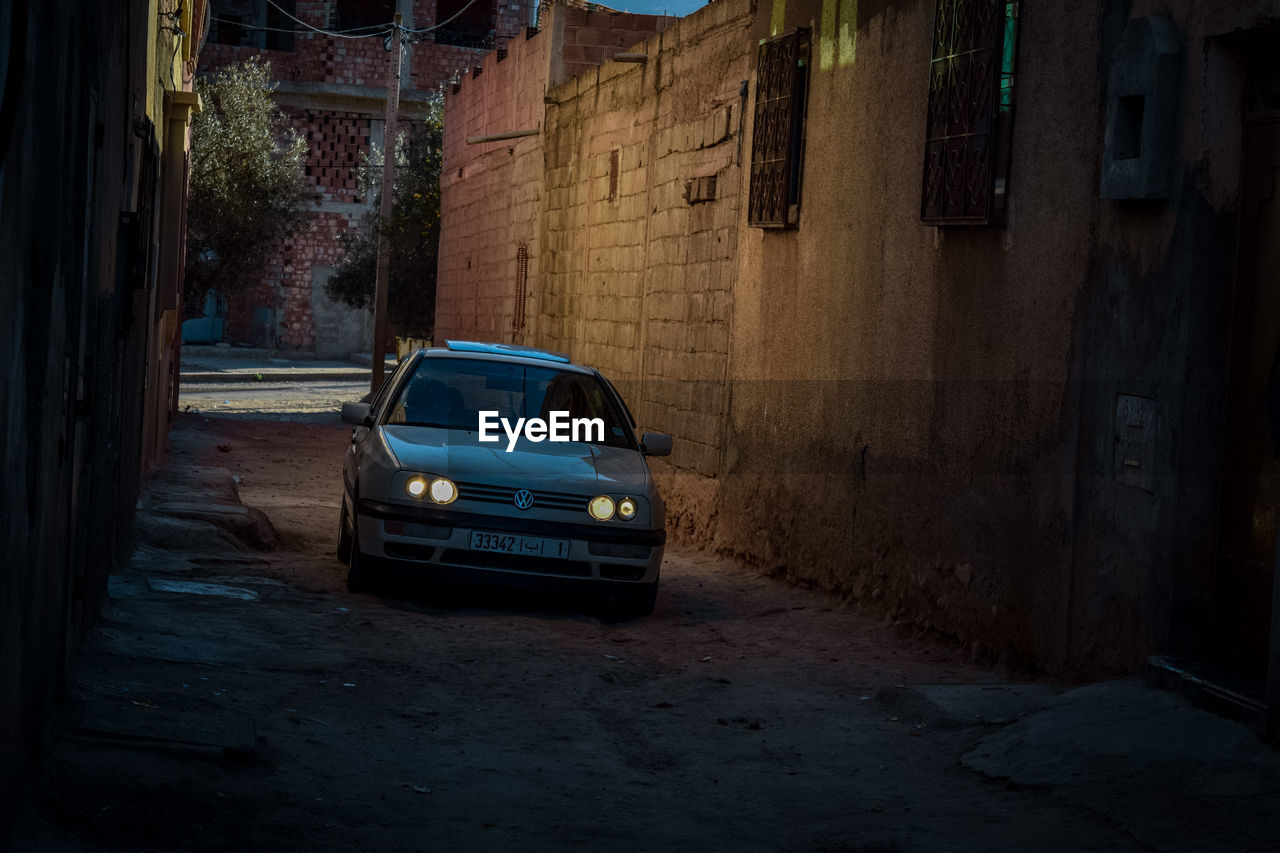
(920, 418)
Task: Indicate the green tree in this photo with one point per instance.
(413, 230)
(248, 179)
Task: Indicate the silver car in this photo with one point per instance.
(430, 491)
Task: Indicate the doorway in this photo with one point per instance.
(1249, 508)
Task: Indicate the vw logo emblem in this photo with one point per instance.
(524, 499)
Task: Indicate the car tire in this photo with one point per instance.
(631, 603)
(357, 564)
(344, 534)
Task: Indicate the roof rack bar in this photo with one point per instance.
(507, 349)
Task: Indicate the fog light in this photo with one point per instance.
(601, 508)
(443, 491)
(415, 487)
(626, 509)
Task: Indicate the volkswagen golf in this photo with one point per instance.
(499, 464)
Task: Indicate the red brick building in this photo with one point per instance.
(332, 86)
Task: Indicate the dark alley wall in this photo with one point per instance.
(88, 209)
(1152, 329)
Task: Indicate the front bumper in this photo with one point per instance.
(432, 543)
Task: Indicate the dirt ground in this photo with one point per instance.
(287, 714)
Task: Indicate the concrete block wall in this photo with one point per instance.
(625, 273)
(591, 38)
(338, 329)
(490, 191)
(492, 199)
(501, 195)
(640, 219)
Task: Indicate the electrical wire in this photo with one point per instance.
(177, 45)
(174, 15)
(445, 22)
(341, 35)
(386, 28)
(353, 32)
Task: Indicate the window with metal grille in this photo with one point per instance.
(466, 23)
(970, 120)
(522, 280)
(777, 141)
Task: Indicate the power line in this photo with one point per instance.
(379, 30)
(379, 34)
(291, 17)
(439, 25)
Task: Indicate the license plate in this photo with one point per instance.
(529, 546)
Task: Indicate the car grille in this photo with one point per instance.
(506, 495)
(516, 562)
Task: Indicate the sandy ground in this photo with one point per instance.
(293, 402)
(745, 714)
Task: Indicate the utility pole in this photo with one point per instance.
(383, 283)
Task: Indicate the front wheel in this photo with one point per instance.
(357, 570)
(344, 534)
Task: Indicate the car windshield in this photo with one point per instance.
(451, 392)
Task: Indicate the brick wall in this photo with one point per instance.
(478, 241)
(276, 310)
(492, 198)
(648, 247)
(316, 58)
(591, 38)
(336, 143)
(319, 72)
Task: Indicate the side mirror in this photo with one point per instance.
(356, 414)
(655, 444)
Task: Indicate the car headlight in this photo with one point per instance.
(443, 491)
(415, 486)
(626, 509)
(601, 508)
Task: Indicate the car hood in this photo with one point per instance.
(558, 466)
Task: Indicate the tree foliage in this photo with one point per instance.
(248, 180)
(413, 230)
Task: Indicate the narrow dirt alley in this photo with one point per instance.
(235, 696)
